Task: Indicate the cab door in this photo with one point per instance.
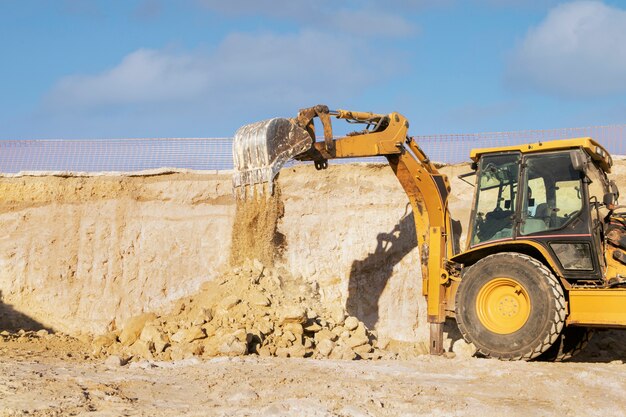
(555, 212)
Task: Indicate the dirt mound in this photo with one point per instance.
(250, 310)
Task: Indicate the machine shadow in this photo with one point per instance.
(369, 276)
(605, 346)
(12, 320)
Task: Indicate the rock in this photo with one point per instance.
(239, 334)
(311, 315)
(337, 314)
(235, 348)
(325, 334)
(188, 335)
(170, 327)
(296, 351)
(351, 323)
(339, 330)
(114, 361)
(308, 343)
(313, 327)
(133, 328)
(362, 349)
(152, 334)
(229, 302)
(181, 352)
(292, 314)
(343, 352)
(325, 347)
(287, 335)
(360, 330)
(104, 341)
(196, 348)
(282, 352)
(200, 317)
(354, 341)
(295, 328)
(282, 342)
(42, 333)
(211, 348)
(265, 326)
(209, 329)
(463, 349)
(142, 349)
(257, 298)
(267, 350)
(358, 337)
(177, 353)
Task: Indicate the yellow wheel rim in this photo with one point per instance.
(503, 305)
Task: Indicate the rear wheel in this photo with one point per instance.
(510, 306)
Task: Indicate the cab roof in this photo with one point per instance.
(593, 148)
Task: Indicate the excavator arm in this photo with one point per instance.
(260, 149)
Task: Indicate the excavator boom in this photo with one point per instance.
(261, 149)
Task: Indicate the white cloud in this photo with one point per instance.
(143, 76)
(579, 50)
(247, 75)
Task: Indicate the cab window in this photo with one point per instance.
(554, 193)
(495, 198)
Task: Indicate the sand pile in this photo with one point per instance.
(250, 310)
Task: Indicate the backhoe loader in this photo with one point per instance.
(537, 272)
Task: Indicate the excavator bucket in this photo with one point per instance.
(261, 149)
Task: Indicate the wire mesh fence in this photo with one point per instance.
(128, 155)
(456, 148)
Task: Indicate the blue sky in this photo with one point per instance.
(202, 68)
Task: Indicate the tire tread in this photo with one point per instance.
(558, 320)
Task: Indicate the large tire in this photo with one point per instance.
(569, 343)
(510, 306)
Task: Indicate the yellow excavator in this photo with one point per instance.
(538, 271)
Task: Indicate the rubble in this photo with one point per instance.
(251, 310)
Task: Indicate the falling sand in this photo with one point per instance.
(255, 234)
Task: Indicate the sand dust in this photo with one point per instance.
(255, 229)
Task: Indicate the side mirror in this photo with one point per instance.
(531, 202)
(614, 189)
(608, 199)
(579, 162)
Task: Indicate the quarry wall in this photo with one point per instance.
(81, 254)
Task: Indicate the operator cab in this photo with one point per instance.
(551, 196)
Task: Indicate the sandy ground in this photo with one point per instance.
(53, 377)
